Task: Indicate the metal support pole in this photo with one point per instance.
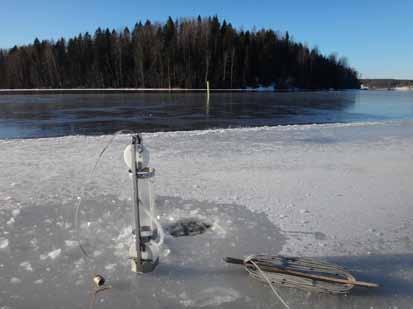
(139, 266)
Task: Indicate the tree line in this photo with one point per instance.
(182, 53)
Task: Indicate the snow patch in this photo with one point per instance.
(38, 281)
(26, 266)
(4, 243)
(71, 243)
(215, 297)
(15, 212)
(15, 280)
(110, 267)
(54, 254)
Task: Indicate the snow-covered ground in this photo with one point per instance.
(339, 192)
(403, 88)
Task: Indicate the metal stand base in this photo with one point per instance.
(145, 266)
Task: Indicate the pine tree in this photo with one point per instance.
(180, 53)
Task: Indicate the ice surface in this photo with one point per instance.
(340, 192)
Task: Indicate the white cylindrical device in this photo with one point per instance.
(143, 256)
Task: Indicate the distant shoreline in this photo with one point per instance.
(114, 90)
(387, 84)
(148, 90)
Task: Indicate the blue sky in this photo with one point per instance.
(375, 36)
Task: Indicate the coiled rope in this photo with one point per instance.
(296, 272)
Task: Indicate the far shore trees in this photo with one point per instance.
(182, 53)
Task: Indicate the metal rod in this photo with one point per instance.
(318, 277)
(139, 266)
(234, 260)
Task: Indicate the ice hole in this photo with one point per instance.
(188, 227)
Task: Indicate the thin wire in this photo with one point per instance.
(93, 296)
(250, 260)
(80, 198)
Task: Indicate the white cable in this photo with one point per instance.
(82, 191)
(250, 260)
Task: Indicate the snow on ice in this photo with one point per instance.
(4, 243)
(54, 254)
(279, 190)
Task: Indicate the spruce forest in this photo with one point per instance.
(182, 53)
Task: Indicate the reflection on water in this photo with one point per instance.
(57, 115)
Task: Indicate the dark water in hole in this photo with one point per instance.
(187, 227)
(31, 116)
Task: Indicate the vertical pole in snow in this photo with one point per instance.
(207, 98)
(138, 261)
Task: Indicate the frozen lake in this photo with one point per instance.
(336, 192)
(339, 190)
(28, 116)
